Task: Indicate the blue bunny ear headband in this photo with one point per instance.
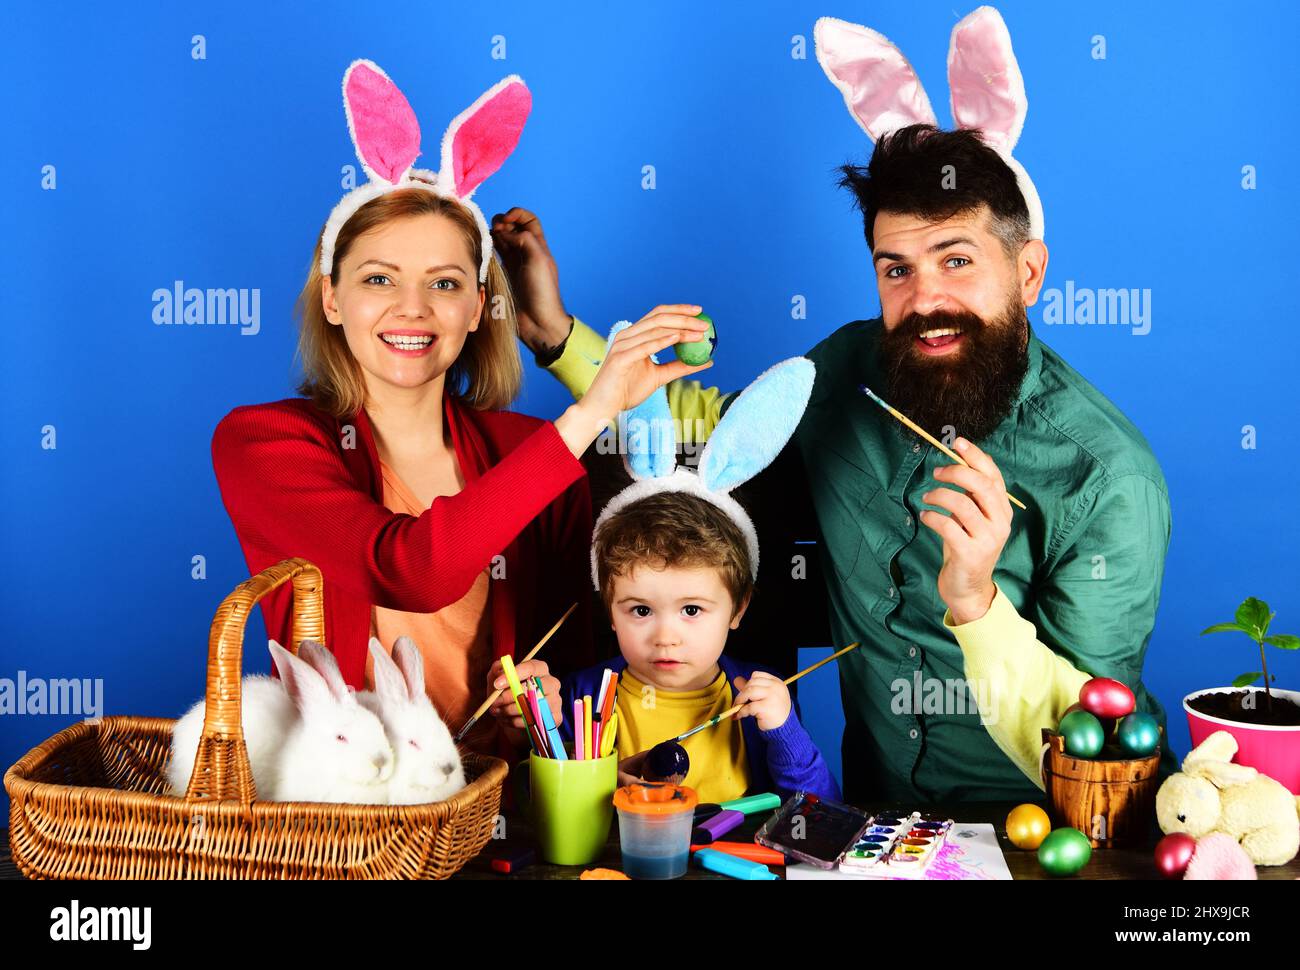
(757, 425)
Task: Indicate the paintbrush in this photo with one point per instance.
(926, 435)
(501, 690)
(788, 681)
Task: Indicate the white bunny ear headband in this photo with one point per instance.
(387, 139)
(883, 93)
(757, 425)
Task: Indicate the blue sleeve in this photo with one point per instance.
(566, 707)
(795, 763)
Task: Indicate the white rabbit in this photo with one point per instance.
(267, 715)
(428, 764)
(337, 750)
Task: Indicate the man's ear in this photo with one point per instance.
(735, 620)
(1031, 269)
(329, 301)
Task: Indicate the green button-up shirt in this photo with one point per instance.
(1083, 563)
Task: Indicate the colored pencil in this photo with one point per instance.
(535, 723)
(492, 698)
(926, 435)
(598, 711)
(789, 680)
(577, 729)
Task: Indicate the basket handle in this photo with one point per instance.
(221, 767)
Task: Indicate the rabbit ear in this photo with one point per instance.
(306, 688)
(389, 683)
(985, 85)
(757, 425)
(322, 661)
(411, 663)
(651, 436)
(880, 87)
(482, 136)
(381, 122)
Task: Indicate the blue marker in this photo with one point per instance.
(734, 866)
(548, 723)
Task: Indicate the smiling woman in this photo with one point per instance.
(400, 247)
(430, 510)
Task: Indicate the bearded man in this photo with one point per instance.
(978, 623)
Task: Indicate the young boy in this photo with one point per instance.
(675, 574)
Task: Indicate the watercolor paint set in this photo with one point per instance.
(897, 847)
(830, 835)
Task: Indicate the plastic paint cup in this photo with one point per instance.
(654, 829)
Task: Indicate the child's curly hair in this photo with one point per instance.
(673, 529)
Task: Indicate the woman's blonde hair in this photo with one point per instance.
(488, 372)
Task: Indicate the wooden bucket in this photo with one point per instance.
(1112, 802)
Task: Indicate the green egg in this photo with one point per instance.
(698, 351)
(1138, 734)
(1064, 852)
(1083, 734)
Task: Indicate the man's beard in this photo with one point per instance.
(971, 389)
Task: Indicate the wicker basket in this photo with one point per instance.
(92, 802)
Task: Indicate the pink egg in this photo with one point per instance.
(1174, 853)
(1104, 697)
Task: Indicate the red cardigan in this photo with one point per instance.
(299, 482)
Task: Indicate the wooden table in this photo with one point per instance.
(1105, 863)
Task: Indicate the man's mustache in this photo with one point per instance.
(914, 324)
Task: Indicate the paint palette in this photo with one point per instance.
(897, 846)
(877, 842)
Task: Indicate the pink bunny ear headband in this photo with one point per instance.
(387, 140)
(883, 93)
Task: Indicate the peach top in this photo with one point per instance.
(455, 641)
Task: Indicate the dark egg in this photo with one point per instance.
(667, 761)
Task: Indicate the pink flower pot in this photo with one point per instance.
(1270, 749)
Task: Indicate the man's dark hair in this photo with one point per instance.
(908, 172)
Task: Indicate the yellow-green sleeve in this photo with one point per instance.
(697, 408)
(1026, 685)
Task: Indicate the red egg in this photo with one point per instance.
(1107, 723)
(1173, 853)
(1104, 697)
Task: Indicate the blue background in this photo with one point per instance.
(220, 173)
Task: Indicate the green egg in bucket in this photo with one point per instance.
(698, 351)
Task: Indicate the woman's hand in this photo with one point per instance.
(534, 279)
(766, 699)
(504, 708)
(628, 376)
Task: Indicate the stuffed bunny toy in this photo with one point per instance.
(1212, 794)
(883, 93)
(756, 426)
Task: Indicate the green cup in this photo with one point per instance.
(572, 806)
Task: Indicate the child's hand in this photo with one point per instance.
(630, 768)
(505, 710)
(765, 697)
